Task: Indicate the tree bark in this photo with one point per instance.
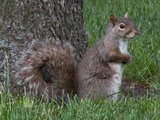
(24, 21)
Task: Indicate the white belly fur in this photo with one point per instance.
(118, 68)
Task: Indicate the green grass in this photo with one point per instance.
(22, 108)
(145, 67)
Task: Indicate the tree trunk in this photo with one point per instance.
(22, 21)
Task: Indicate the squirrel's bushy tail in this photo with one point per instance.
(59, 59)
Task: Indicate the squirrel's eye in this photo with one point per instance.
(122, 26)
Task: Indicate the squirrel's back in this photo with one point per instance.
(59, 59)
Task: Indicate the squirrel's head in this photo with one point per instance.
(124, 27)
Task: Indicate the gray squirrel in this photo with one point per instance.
(98, 74)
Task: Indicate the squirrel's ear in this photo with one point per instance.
(113, 19)
(126, 15)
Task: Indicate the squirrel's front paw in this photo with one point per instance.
(127, 59)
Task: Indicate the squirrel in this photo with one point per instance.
(98, 74)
